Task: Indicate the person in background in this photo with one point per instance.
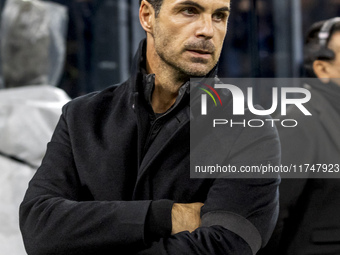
(30, 106)
(309, 221)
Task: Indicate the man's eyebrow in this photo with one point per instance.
(192, 3)
(198, 6)
(223, 9)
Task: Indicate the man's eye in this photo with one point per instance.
(189, 11)
(219, 16)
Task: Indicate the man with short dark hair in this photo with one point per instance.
(116, 179)
(309, 206)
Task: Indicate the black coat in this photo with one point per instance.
(110, 177)
(309, 222)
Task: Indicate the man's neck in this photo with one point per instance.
(167, 81)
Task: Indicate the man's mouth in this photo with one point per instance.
(200, 53)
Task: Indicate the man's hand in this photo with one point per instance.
(185, 217)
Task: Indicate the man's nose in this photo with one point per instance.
(205, 27)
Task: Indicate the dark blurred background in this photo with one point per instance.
(264, 39)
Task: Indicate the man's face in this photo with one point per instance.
(334, 70)
(188, 35)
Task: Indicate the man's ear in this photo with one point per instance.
(146, 16)
(321, 70)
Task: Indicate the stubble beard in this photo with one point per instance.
(182, 68)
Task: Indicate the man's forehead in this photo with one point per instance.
(334, 42)
(200, 2)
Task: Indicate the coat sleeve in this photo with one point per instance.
(239, 215)
(55, 218)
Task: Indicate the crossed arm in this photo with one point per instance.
(62, 226)
(53, 222)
